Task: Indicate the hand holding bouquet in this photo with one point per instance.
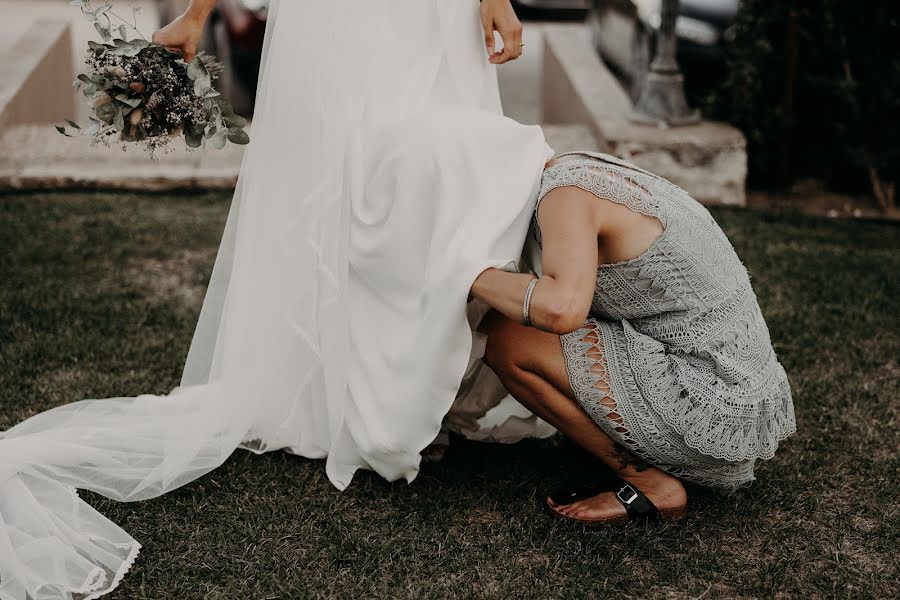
(143, 92)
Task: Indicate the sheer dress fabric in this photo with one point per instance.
(380, 180)
(675, 362)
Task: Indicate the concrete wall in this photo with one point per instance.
(36, 76)
(708, 160)
(577, 88)
(17, 17)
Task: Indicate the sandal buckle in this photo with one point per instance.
(631, 497)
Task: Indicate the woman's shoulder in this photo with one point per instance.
(592, 156)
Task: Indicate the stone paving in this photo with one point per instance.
(37, 157)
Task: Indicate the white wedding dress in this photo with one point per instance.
(380, 181)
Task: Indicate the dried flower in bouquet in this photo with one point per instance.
(141, 92)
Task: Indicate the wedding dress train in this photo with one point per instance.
(380, 181)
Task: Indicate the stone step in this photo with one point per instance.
(37, 157)
(708, 159)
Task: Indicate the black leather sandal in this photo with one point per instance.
(637, 506)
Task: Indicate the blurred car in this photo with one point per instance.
(624, 33)
(552, 8)
(234, 34)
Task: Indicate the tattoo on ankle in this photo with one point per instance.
(629, 459)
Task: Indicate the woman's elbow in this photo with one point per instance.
(565, 317)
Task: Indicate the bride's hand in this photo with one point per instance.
(498, 15)
(182, 35)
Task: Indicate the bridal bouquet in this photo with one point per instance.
(141, 92)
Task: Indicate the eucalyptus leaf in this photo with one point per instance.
(238, 136)
(132, 102)
(218, 140)
(234, 120)
(225, 105)
(106, 112)
(103, 31)
(119, 120)
(192, 139)
(72, 124)
(202, 86)
(62, 130)
(197, 70)
(121, 49)
(98, 49)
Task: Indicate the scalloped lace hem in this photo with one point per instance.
(706, 426)
(96, 591)
(639, 427)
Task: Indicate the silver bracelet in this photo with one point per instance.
(526, 305)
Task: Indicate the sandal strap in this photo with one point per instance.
(637, 505)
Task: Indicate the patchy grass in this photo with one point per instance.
(99, 298)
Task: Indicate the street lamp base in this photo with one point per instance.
(662, 102)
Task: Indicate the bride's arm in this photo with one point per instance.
(184, 33)
(562, 296)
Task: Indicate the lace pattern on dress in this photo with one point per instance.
(635, 190)
(634, 425)
(692, 346)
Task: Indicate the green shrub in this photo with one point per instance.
(815, 86)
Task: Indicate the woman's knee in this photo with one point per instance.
(504, 349)
(514, 349)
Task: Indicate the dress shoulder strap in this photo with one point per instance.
(641, 196)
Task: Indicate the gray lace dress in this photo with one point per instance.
(675, 362)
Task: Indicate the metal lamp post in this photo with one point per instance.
(662, 98)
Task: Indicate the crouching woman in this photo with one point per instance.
(642, 340)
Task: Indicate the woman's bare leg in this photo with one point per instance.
(530, 364)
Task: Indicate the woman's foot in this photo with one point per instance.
(665, 492)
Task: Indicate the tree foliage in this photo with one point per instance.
(815, 86)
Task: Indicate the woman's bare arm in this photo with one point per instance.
(184, 33)
(563, 295)
(500, 16)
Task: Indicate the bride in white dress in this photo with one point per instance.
(380, 182)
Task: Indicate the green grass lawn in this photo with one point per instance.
(99, 298)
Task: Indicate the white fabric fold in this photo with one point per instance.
(380, 181)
